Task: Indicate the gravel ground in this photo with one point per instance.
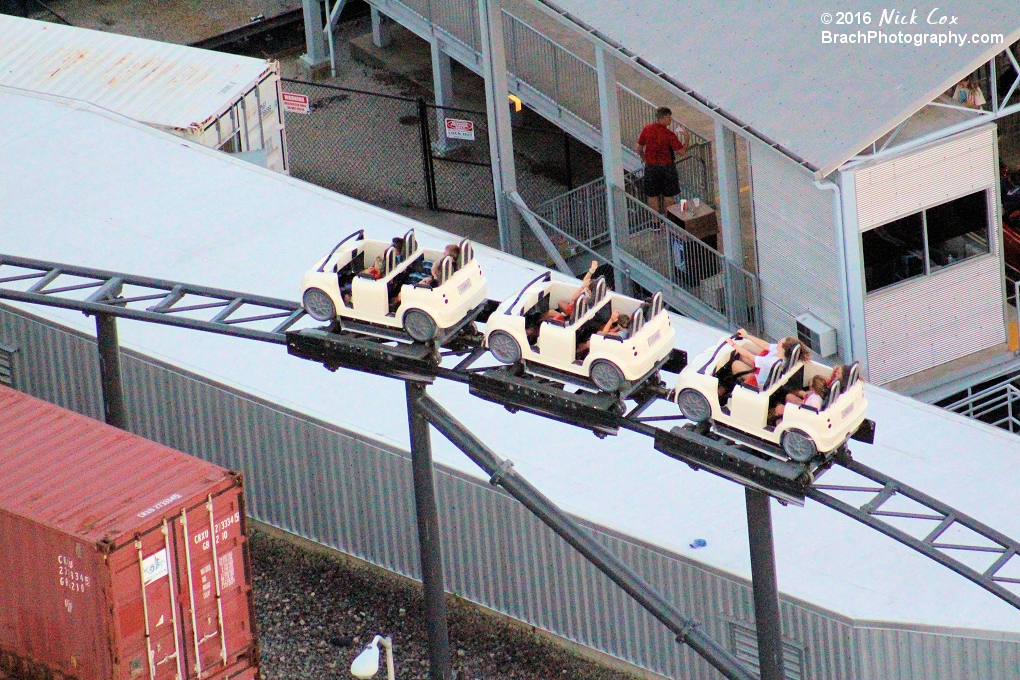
(317, 611)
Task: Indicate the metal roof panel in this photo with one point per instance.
(764, 64)
(156, 83)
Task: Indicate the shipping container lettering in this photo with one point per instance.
(69, 578)
(162, 504)
(221, 527)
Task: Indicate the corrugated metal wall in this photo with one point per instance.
(354, 494)
(951, 313)
(795, 233)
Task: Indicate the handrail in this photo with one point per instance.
(547, 276)
(360, 233)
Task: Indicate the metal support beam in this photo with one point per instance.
(442, 85)
(763, 583)
(502, 473)
(853, 271)
(316, 52)
(429, 544)
(381, 36)
(501, 145)
(114, 412)
(732, 245)
(729, 194)
(612, 161)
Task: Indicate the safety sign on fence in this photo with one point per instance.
(295, 103)
(457, 128)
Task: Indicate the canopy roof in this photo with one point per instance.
(153, 82)
(764, 65)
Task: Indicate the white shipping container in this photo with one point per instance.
(221, 101)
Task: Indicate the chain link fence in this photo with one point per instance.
(363, 144)
(458, 141)
(392, 150)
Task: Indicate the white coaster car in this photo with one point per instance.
(397, 300)
(802, 433)
(516, 332)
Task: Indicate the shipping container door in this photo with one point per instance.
(215, 588)
(147, 615)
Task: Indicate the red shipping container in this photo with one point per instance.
(119, 558)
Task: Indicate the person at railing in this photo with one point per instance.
(968, 93)
(658, 147)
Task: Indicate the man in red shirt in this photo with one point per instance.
(659, 147)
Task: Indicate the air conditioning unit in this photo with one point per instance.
(816, 334)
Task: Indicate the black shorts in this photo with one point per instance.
(661, 180)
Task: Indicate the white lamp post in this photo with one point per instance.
(367, 663)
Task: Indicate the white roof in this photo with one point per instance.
(115, 209)
(153, 82)
(764, 65)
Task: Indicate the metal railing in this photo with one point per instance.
(551, 69)
(689, 264)
(997, 405)
(579, 213)
(457, 17)
(560, 245)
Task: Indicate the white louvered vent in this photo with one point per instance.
(904, 185)
(744, 644)
(7, 365)
(934, 319)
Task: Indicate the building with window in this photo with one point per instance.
(855, 159)
(222, 101)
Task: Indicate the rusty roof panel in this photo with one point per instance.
(157, 83)
(86, 478)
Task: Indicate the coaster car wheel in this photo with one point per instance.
(694, 405)
(319, 304)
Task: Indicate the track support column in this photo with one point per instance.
(501, 142)
(109, 370)
(763, 582)
(316, 52)
(429, 544)
(612, 162)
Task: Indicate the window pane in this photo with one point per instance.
(958, 230)
(894, 252)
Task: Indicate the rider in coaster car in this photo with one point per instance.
(453, 251)
(565, 307)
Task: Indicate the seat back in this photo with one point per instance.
(445, 270)
(389, 260)
(835, 390)
(794, 357)
(467, 253)
(598, 291)
(775, 373)
(853, 374)
(581, 308)
(656, 305)
(637, 320)
(410, 244)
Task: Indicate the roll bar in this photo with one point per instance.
(360, 233)
(547, 276)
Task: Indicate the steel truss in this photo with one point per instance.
(220, 311)
(604, 415)
(972, 536)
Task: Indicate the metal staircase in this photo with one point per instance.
(696, 280)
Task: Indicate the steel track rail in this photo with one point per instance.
(222, 311)
(410, 362)
(1000, 549)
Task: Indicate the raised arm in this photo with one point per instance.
(746, 356)
(758, 342)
